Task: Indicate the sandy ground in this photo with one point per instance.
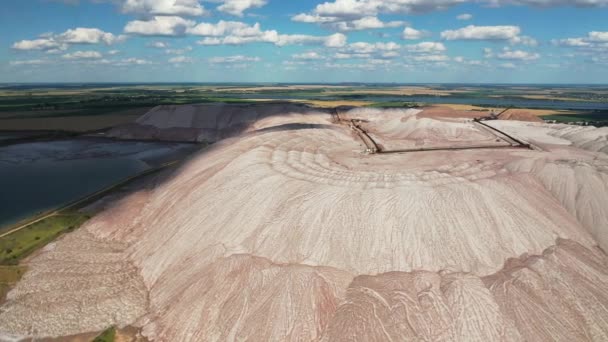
(286, 231)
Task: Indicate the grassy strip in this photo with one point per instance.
(9, 276)
(16, 246)
(394, 105)
(593, 116)
(106, 336)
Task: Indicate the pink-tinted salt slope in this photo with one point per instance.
(286, 231)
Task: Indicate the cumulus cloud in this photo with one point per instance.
(238, 7)
(158, 45)
(595, 41)
(234, 59)
(180, 60)
(160, 26)
(359, 8)
(345, 15)
(83, 55)
(60, 42)
(131, 61)
(309, 56)
(365, 50)
(237, 33)
(83, 35)
(413, 34)
(163, 7)
(496, 33)
(39, 44)
(178, 51)
(473, 32)
(344, 25)
(470, 62)
(551, 3)
(518, 55)
(431, 58)
(30, 62)
(426, 48)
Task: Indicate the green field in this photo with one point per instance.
(601, 116)
(18, 245)
(9, 276)
(106, 336)
(395, 105)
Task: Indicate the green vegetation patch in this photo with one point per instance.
(599, 116)
(9, 276)
(16, 246)
(394, 105)
(106, 336)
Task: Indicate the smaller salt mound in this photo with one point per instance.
(213, 122)
(88, 286)
(581, 186)
(243, 297)
(557, 296)
(588, 138)
(396, 129)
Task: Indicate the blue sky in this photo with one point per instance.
(405, 41)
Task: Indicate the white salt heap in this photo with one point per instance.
(287, 232)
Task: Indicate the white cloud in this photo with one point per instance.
(431, 58)
(83, 55)
(496, 33)
(234, 59)
(131, 61)
(238, 7)
(30, 62)
(237, 33)
(465, 16)
(158, 45)
(358, 24)
(159, 26)
(83, 35)
(309, 56)
(473, 32)
(595, 41)
(60, 42)
(488, 53)
(335, 40)
(598, 36)
(226, 28)
(426, 48)
(163, 7)
(39, 44)
(518, 55)
(359, 8)
(180, 60)
(413, 34)
(470, 62)
(551, 3)
(507, 66)
(339, 10)
(113, 52)
(178, 51)
(365, 50)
